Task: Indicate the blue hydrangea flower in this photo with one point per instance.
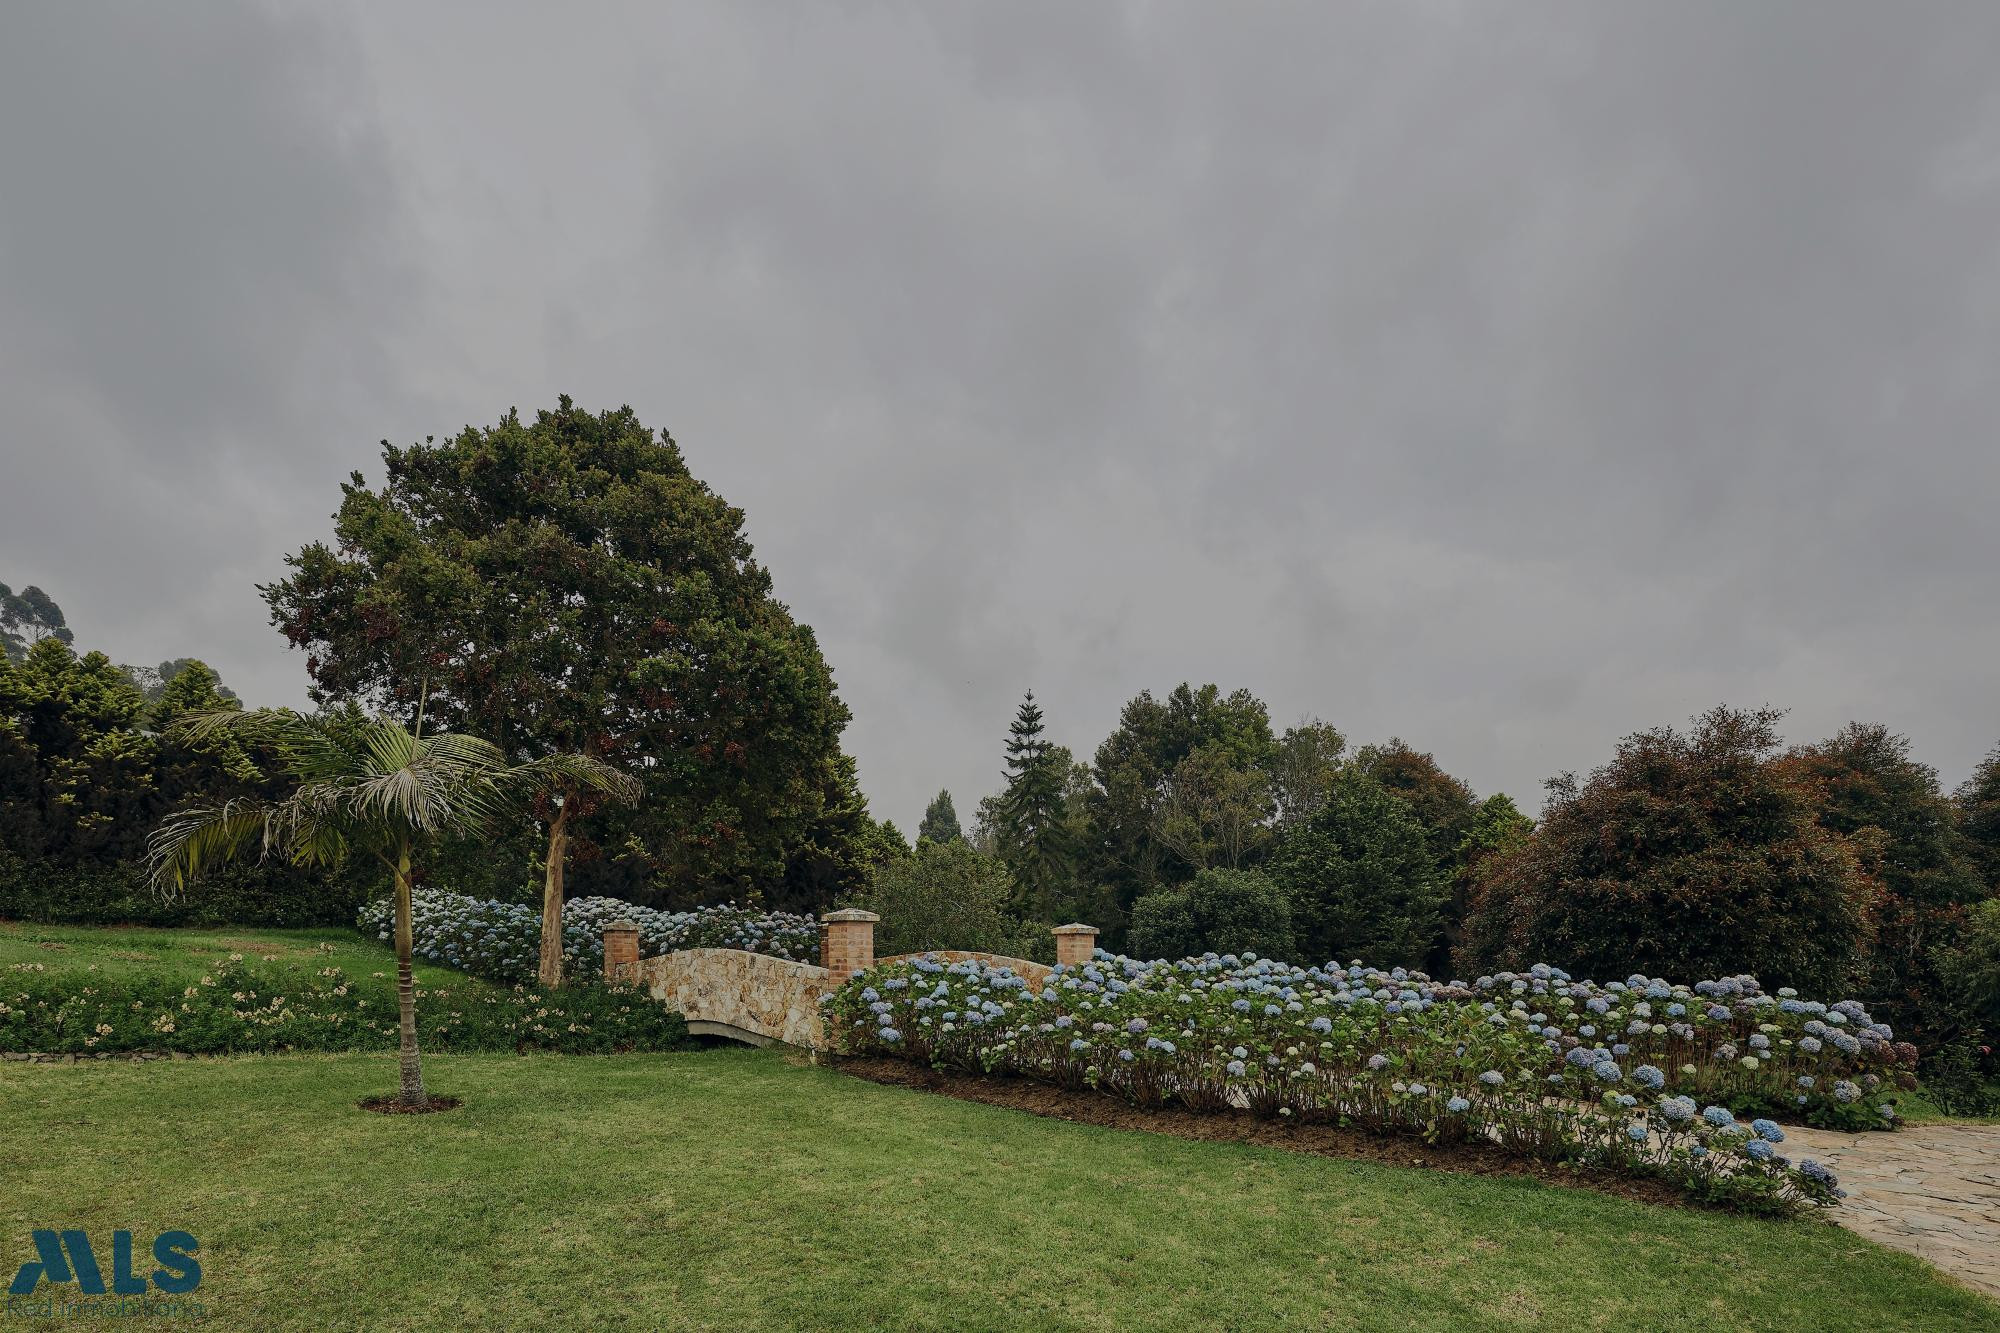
(1767, 1130)
(1719, 1116)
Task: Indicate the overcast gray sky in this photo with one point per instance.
(1507, 377)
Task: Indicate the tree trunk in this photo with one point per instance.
(411, 1093)
(551, 971)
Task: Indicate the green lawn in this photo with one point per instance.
(738, 1189)
(1918, 1109)
(189, 953)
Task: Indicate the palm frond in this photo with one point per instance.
(458, 750)
(257, 725)
(388, 747)
(190, 841)
(561, 774)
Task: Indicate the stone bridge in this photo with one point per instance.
(758, 999)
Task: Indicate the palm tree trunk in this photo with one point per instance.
(551, 971)
(411, 1093)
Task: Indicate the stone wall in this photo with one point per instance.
(729, 992)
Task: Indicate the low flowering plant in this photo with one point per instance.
(243, 1007)
(1538, 1063)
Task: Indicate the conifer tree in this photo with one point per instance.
(940, 823)
(1032, 831)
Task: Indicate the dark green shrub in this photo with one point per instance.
(1219, 911)
(243, 1007)
(1361, 879)
(949, 896)
(92, 893)
(1691, 854)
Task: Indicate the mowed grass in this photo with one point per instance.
(131, 950)
(742, 1189)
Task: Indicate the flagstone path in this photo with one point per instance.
(1931, 1190)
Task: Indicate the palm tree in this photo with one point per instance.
(364, 785)
(576, 783)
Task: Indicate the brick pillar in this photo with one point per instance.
(1075, 943)
(847, 942)
(621, 951)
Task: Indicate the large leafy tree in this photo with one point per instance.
(840, 850)
(155, 681)
(1978, 802)
(1907, 836)
(77, 777)
(1134, 770)
(1498, 827)
(28, 617)
(1360, 878)
(1444, 805)
(1303, 766)
(565, 584)
(362, 786)
(1215, 812)
(1691, 854)
(1031, 829)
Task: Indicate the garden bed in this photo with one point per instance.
(1316, 1139)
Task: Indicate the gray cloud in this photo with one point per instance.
(1507, 378)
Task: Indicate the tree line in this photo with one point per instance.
(1839, 867)
(563, 585)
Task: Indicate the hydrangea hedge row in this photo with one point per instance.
(1638, 1076)
(502, 941)
(242, 1006)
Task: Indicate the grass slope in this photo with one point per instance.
(736, 1189)
(189, 953)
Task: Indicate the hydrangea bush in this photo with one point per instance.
(1639, 1076)
(242, 1006)
(502, 941)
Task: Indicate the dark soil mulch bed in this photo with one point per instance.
(387, 1104)
(1092, 1108)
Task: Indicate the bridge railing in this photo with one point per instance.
(731, 992)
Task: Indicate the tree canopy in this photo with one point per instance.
(1906, 835)
(28, 617)
(565, 583)
(1691, 854)
(1360, 878)
(1978, 802)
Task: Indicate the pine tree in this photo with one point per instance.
(1032, 832)
(940, 824)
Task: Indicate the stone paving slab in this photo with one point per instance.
(1930, 1190)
